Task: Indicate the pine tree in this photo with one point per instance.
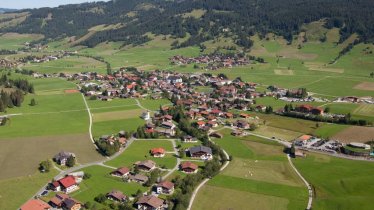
(71, 161)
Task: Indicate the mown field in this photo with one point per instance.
(338, 183)
(258, 176)
(72, 64)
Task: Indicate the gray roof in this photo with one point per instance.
(200, 148)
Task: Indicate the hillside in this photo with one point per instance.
(201, 20)
(3, 10)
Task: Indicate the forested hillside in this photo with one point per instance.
(235, 18)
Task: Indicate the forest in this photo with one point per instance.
(235, 18)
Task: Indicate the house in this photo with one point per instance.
(64, 201)
(237, 133)
(303, 140)
(216, 135)
(168, 125)
(242, 124)
(174, 79)
(139, 178)
(200, 124)
(146, 165)
(146, 116)
(150, 202)
(188, 167)
(165, 131)
(121, 172)
(212, 124)
(35, 204)
(158, 152)
(66, 184)
(165, 187)
(62, 157)
(116, 195)
(188, 138)
(71, 204)
(202, 152)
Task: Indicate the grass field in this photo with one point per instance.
(259, 170)
(114, 126)
(117, 115)
(139, 150)
(73, 64)
(154, 105)
(13, 41)
(355, 134)
(339, 183)
(15, 191)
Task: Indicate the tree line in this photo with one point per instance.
(238, 19)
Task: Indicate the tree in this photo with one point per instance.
(327, 110)
(32, 102)
(182, 154)
(252, 127)
(45, 166)
(101, 198)
(70, 161)
(292, 151)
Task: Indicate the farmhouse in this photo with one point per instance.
(165, 187)
(150, 202)
(146, 165)
(62, 157)
(121, 172)
(188, 167)
(202, 152)
(116, 195)
(35, 204)
(66, 184)
(158, 152)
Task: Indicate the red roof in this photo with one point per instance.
(166, 184)
(186, 165)
(158, 151)
(35, 205)
(122, 170)
(201, 123)
(67, 181)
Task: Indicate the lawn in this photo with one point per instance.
(154, 105)
(16, 191)
(102, 182)
(339, 183)
(114, 126)
(139, 150)
(96, 104)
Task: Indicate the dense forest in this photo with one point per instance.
(236, 18)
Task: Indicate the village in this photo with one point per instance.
(194, 118)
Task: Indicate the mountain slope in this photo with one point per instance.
(235, 18)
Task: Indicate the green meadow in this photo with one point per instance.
(140, 150)
(338, 183)
(259, 172)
